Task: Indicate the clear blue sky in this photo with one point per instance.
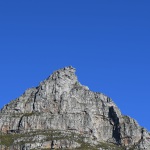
(108, 42)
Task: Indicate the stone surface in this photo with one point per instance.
(63, 114)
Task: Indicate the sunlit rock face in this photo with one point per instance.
(63, 114)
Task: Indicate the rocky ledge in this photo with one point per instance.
(63, 114)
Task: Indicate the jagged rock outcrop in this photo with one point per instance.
(62, 113)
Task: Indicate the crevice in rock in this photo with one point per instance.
(33, 106)
(20, 124)
(52, 145)
(116, 128)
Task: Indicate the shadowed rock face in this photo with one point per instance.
(62, 113)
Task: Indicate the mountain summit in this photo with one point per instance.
(63, 114)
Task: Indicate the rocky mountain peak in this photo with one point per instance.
(61, 80)
(66, 72)
(62, 113)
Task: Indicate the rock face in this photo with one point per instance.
(62, 113)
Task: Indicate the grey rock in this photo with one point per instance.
(63, 114)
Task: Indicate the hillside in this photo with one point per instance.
(61, 113)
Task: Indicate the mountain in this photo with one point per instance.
(63, 114)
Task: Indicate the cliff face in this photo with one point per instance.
(62, 113)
